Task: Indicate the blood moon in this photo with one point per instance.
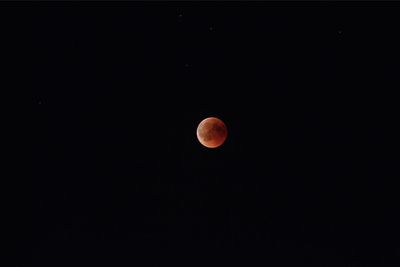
(212, 132)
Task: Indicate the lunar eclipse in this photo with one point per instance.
(212, 132)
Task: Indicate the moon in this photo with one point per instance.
(212, 132)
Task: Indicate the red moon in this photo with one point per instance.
(212, 132)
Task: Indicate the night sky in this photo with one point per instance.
(308, 175)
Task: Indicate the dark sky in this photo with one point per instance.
(307, 177)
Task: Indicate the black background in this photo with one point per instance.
(307, 177)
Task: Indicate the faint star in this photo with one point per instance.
(186, 65)
(339, 31)
(211, 28)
